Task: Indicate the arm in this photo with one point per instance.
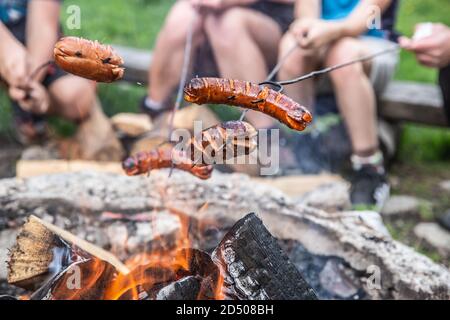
(42, 32)
(13, 59)
(432, 51)
(317, 33)
(308, 9)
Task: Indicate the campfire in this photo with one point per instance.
(247, 264)
(185, 238)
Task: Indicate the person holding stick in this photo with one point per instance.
(28, 31)
(431, 45)
(330, 33)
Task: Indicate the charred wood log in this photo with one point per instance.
(86, 280)
(200, 265)
(255, 267)
(185, 289)
(43, 251)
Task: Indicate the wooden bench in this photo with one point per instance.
(402, 101)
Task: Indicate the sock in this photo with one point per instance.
(152, 104)
(376, 160)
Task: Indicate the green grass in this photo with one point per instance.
(419, 143)
(136, 23)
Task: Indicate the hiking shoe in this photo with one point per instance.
(369, 189)
(153, 113)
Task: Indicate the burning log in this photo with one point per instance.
(185, 289)
(255, 267)
(160, 281)
(85, 280)
(43, 250)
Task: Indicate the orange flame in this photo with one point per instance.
(150, 270)
(169, 262)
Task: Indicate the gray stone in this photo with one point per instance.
(401, 205)
(334, 279)
(445, 185)
(332, 197)
(435, 236)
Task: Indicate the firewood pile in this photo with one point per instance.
(248, 264)
(183, 238)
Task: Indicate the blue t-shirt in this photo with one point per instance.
(340, 9)
(12, 11)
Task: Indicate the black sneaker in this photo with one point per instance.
(370, 189)
(444, 221)
(152, 113)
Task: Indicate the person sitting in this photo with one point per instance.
(244, 37)
(28, 31)
(433, 50)
(431, 45)
(329, 33)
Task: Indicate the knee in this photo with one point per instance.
(73, 99)
(343, 51)
(78, 108)
(224, 30)
(177, 23)
(294, 63)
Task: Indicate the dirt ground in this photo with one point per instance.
(421, 181)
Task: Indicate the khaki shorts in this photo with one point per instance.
(382, 70)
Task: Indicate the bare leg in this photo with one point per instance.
(298, 63)
(72, 97)
(165, 71)
(356, 97)
(75, 99)
(244, 43)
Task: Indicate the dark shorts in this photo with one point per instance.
(282, 13)
(53, 72)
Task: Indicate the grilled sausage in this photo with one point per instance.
(251, 96)
(88, 59)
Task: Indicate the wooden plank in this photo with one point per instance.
(137, 63)
(131, 124)
(414, 102)
(39, 250)
(32, 168)
(296, 186)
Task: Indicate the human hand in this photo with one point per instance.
(432, 51)
(208, 4)
(315, 33)
(13, 63)
(34, 98)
